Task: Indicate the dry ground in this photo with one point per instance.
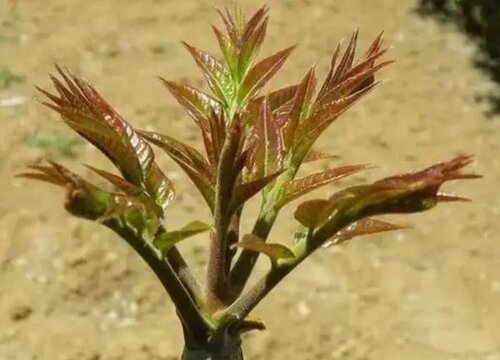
(70, 290)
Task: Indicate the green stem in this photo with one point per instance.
(240, 308)
(245, 263)
(180, 267)
(186, 307)
(224, 346)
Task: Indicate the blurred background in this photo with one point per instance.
(71, 290)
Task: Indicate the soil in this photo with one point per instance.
(71, 290)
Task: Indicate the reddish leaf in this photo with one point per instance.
(280, 102)
(214, 138)
(85, 111)
(314, 155)
(277, 98)
(253, 25)
(444, 171)
(299, 187)
(362, 227)
(344, 85)
(249, 189)
(83, 198)
(168, 239)
(197, 104)
(351, 85)
(261, 73)
(347, 59)
(267, 148)
(314, 126)
(56, 174)
(406, 193)
(233, 27)
(190, 160)
(328, 80)
(86, 200)
(444, 197)
(159, 186)
(44, 173)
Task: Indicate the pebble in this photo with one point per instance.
(20, 312)
(12, 101)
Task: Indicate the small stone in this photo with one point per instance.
(20, 312)
(303, 309)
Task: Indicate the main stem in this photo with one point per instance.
(222, 346)
(205, 354)
(227, 173)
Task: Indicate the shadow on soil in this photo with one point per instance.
(480, 19)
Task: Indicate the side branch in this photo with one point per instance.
(240, 309)
(244, 265)
(186, 307)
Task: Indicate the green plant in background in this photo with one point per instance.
(9, 77)
(56, 143)
(254, 142)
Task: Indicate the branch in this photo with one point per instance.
(240, 309)
(243, 267)
(180, 267)
(186, 307)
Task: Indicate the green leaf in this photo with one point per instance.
(252, 39)
(313, 212)
(132, 190)
(167, 240)
(301, 105)
(229, 51)
(275, 252)
(217, 75)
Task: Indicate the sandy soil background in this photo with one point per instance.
(70, 290)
